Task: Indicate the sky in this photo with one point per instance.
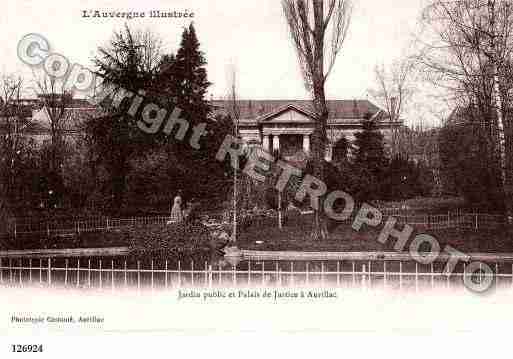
(252, 35)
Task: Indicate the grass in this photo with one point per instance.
(296, 237)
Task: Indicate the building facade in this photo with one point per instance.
(287, 125)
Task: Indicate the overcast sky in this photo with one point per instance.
(252, 34)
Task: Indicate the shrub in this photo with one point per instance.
(174, 241)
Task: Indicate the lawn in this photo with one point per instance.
(295, 236)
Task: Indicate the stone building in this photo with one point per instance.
(287, 125)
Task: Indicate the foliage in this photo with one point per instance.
(471, 166)
(369, 162)
(169, 241)
(130, 62)
(154, 167)
(406, 179)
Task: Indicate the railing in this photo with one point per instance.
(117, 275)
(451, 220)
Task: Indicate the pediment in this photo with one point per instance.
(288, 114)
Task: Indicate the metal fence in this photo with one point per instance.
(456, 220)
(119, 274)
(71, 227)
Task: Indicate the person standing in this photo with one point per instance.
(176, 211)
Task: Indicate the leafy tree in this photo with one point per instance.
(466, 157)
(406, 179)
(130, 62)
(369, 162)
(184, 77)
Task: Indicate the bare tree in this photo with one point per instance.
(392, 90)
(13, 126)
(318, 29)
(55, 101)
(467, 50)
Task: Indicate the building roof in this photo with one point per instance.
(253, 110)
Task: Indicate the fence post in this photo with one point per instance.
(192, 273)
(497, 275)
(166, 284)
(205, 279)
(219, 276)
(210, 278)
(338, 273)
(249, 272)
(370, 274)
(400, 275)
(263, 273)
(152, 274)
(66, 273)
(385, 274)
(354, 274)
(322, 273)
(112, 276)
(416, 277)
(363, 275)
(179, 274)
(49, 271)
(138, 275)
(307, 273)
(477, 222)
(15, 229)
(101, 277)
(78, 272)
(432, 276)
(1, 272)
(21, 265)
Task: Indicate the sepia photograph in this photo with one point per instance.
(300, 178)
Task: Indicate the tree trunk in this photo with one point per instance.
(319, 230)
(498, 103)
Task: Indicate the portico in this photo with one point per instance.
(287, 125)
(283, 133)
(287, 130)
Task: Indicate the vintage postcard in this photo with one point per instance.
(293, 178)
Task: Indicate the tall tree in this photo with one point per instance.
(131, 61)
(184, 77)
(392, 90)
(369, 161)
(55, 100)
(13, 126)
(318, 29)
(464, 142)
(467, 51)
(184, 80)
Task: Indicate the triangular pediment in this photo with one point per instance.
(288, 114)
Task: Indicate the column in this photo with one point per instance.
(265, 143)
(306, 143)
(329, 153)
(276, 142)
